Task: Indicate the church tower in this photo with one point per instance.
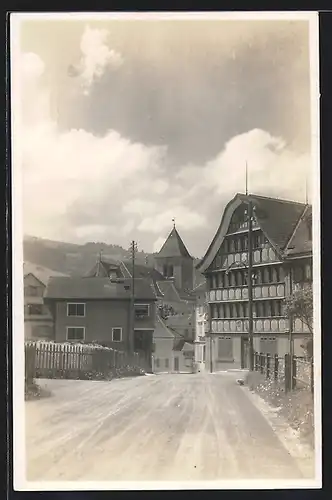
(174, 261)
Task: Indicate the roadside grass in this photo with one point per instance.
(296, 407)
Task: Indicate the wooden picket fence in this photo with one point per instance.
(293, 372)
(78, 361)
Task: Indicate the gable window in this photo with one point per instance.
(75, 333)
(142, 311)
(35, 309)
(75, 309)
(116, 334)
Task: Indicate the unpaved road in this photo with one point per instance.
(158, 427)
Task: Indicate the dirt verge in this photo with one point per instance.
(297, 407)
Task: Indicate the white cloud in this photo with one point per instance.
(125, 183)
(61, 167)
(162, 219)
(158, 244)
(273, 168)
(96, 56)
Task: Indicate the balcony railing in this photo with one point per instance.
(261, 325)
(260, 256)
(275, 290)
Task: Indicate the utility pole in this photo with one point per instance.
(133, 250)
(250, 296)
(211, 362)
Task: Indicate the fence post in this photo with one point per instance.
(293, 385)
(287, 372)
(267, 365)
(276, 366)
(261, 362)
(30, 364)
(312, 375)
(256, 361)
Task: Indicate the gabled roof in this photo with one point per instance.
(43, 274)
(169, 291)
(142, 271)
(181, 320)
(161, 331)
(102, 268)
(277, 218)
(96, 288)
(173, 246)
(300, 243)
(199, 288)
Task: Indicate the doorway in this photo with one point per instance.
(244, 353)
(176, 364)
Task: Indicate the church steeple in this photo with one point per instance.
(174, 261)
(174, 246)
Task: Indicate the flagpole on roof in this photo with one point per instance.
(246, 178)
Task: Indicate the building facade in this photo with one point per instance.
(282, 262)
(38, 320)
(201, 326)
(99, 310)
(171, 354)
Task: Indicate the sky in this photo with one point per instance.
(126, 124)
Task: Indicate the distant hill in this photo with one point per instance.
(76, 260)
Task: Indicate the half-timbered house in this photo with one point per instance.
(282, 261)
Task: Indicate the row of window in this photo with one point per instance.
(79, 310)
(266, 275)
(77, 333)
(239, 243)
(261, 309)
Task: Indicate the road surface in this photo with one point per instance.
(160, 427)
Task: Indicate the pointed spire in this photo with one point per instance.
(173, 246)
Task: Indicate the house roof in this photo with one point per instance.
(199, 288)
(300, 243)
(180, 320)
(102, 268)
(277, 218)
(96, 288)
(143, 271)
(169, 291)
(173, 246)
(161, 331)
(43, 274)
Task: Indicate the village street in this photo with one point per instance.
(157, 427)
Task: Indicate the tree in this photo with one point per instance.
(300, 305)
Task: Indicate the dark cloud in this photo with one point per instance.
(194, 103)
